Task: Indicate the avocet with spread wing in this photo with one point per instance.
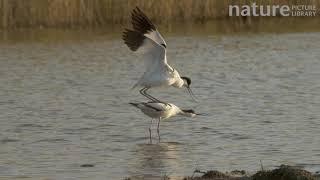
(146, 39)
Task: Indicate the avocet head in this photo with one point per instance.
(189, 112)
(186, 80)
(187, 84)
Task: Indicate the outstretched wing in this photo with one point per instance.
(142, 24)
(145, 39)
(153, 53)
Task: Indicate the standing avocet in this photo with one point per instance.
(146, 39)
(159, 110)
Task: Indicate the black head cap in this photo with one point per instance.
(188, 80)
(188, 111)
(165, 46)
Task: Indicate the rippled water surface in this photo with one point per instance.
(64, 104)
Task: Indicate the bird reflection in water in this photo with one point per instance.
(155, 161)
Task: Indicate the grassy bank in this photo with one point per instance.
(90, 13)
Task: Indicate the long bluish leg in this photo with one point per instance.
(150, 140)
(158, 127)
(142, 91)
(150, 135)
(151, 97)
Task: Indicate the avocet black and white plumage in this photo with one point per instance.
(146, 39)
(159, 110)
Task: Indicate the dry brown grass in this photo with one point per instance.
(90, 13)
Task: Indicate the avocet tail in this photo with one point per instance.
(134, 104)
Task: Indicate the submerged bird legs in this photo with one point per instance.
(158, 130)
(150, 132)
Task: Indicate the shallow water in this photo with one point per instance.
(64, 103)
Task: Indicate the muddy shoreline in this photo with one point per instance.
(284, 172)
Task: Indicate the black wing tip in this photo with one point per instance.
(137, 8)
(137, 11)
(141, 22)
(134, 104)
(132, 39)
(141, 25)
(125, 33)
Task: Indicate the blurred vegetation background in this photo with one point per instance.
(93, 13)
